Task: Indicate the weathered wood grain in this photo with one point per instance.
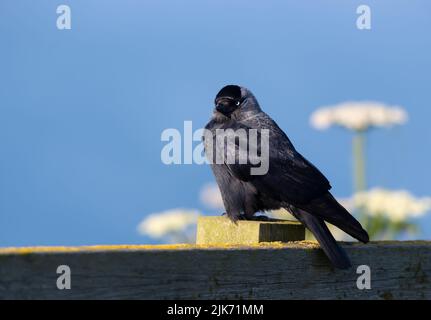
(399, 270)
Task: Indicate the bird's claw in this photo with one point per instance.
(260, 218)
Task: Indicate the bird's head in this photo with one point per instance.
(233, 99)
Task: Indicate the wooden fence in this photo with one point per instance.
(294, 270)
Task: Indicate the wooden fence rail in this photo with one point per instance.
(296, 270)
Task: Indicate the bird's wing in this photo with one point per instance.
(290, 177)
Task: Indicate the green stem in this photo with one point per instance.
(359, 175)
(360, 183)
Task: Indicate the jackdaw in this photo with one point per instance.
(291, 181)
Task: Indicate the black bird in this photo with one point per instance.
(291, 182)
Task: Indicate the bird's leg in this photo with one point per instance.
(260, 218)
(236, 218)
(233, 217)
(250, 215)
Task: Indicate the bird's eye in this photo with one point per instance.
(237, 103)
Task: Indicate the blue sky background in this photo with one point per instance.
(82, 110)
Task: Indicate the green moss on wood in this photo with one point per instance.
(221, 230)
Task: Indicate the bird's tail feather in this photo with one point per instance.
(330, 210)
(317, 226)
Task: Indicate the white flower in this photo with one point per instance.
(159, 225)
(211, 197)
(396, 205)
(358, 115)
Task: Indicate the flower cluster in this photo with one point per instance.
(397, 205)
(358, 116)
(167, 223)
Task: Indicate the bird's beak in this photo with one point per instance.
(219, 108)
